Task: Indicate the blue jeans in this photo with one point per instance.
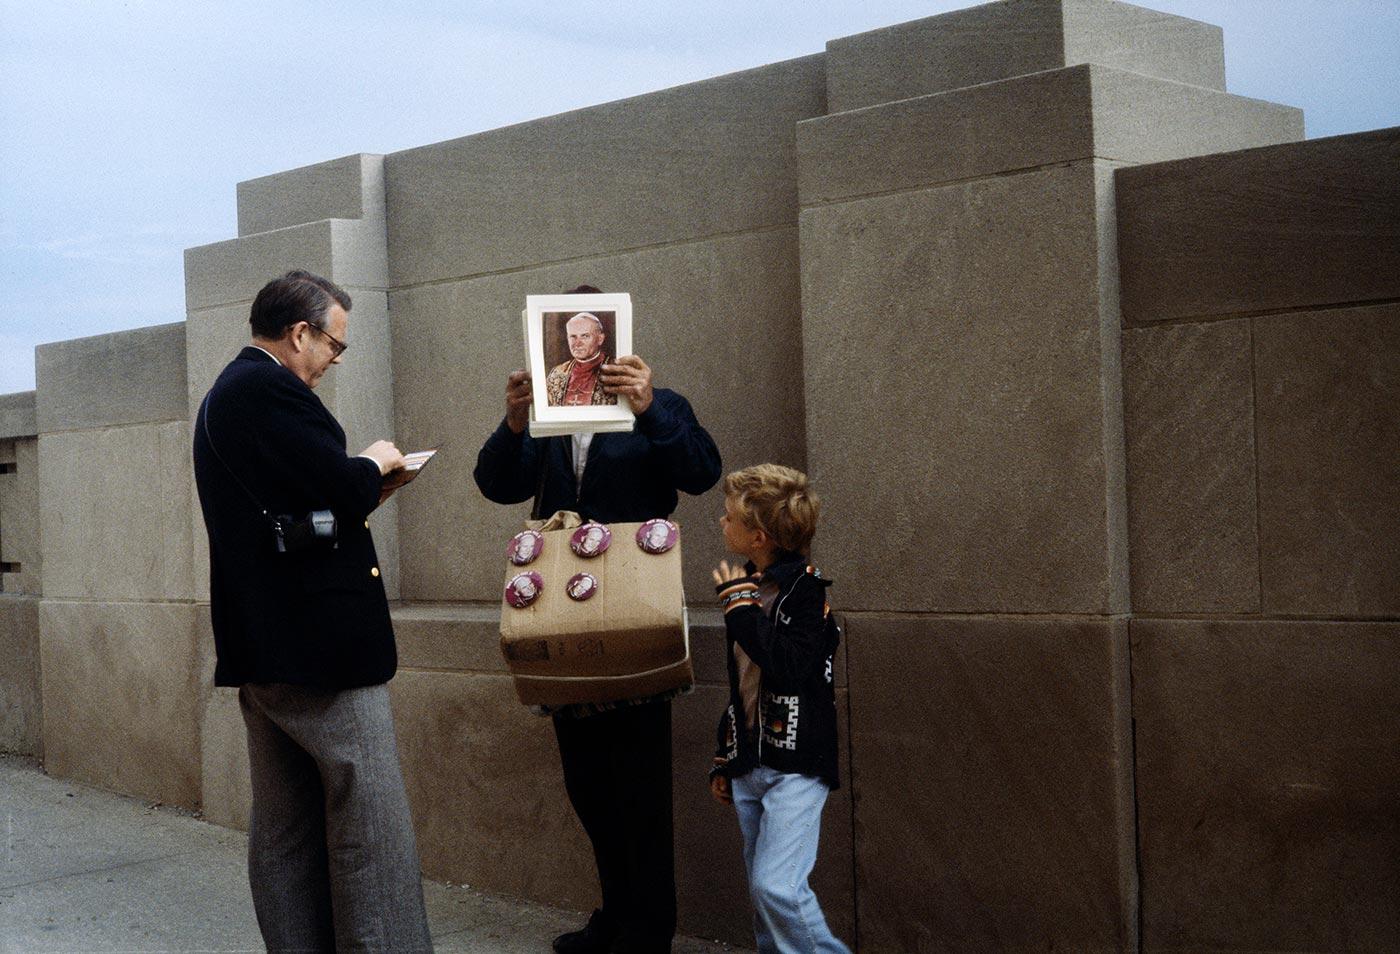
(780, 816)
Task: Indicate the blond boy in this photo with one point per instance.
(777, 755)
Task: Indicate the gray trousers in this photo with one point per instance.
(331, 855)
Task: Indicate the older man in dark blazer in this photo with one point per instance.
(301, 626)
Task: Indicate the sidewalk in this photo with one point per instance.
(82, 870)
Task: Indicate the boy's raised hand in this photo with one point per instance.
(724, 573)
(719, 788)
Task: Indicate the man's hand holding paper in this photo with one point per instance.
(407, 469)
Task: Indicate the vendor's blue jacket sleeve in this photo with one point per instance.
(628, 477)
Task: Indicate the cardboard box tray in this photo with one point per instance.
(631, 639)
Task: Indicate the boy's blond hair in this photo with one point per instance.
(776, 500)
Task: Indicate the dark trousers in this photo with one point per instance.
(617, 769)
(331, 854)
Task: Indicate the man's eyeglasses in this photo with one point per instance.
(339, 346)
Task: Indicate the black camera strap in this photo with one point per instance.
(204, 413)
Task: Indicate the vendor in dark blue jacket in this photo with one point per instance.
(612, 478)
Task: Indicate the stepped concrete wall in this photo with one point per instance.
(119, 658)
(1262, 374)
(21, 699)
(1094, 363)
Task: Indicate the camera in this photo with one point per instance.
(315, 531)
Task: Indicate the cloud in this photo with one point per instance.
(109, 249)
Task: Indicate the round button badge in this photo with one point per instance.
(590, 540)
(581, 586)
(523, 589)
(525, 547)
(657, 536)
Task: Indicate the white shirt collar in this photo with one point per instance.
(268, 353)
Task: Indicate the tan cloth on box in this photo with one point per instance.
(561, 520)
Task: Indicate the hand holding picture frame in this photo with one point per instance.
(568, 338)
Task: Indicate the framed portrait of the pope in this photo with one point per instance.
(568, 338)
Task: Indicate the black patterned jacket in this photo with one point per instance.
(793, 645)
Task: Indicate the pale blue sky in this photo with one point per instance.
(125, 126)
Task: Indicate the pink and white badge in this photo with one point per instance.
(523, 589)
(590, 540)
(581, 586)
(525, 547)
(657, 536)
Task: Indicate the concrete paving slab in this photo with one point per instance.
(85, 870)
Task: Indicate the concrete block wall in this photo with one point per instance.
(20, 549)
(21, 697)
(21, 701)
(118, 654)
(1262, 371)
(1130, 529)
(997, 41)
(959, 270)
(685, 198)
(757, 170)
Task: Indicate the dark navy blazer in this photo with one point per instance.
(312, 619)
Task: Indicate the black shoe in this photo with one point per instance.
(633, 943)
(633, 946)
(596, 937)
